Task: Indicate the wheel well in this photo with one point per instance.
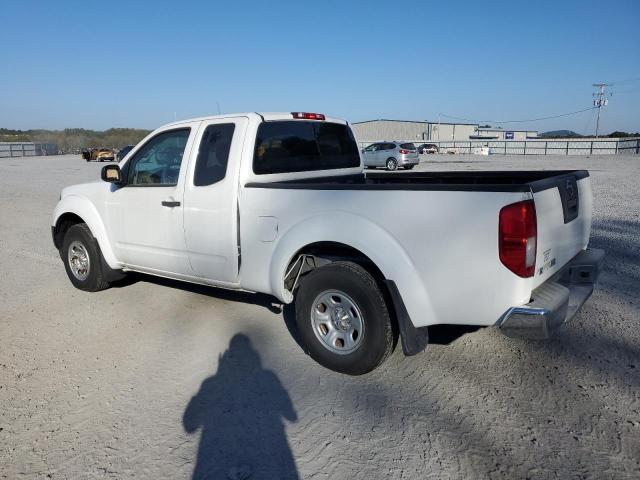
(64, 223)
(327, 252)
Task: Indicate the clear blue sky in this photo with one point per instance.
(137, 64)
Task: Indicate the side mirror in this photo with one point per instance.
(111, 174)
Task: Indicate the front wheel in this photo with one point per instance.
(82, 259)
(392, 164)
(343, 320)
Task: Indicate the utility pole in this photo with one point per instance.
(599, 101)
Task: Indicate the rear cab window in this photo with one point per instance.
(408, 146)
(300, 146)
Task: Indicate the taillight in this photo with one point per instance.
(308, 116)
(403, 151)
(517, 238)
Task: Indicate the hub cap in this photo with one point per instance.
(337, 322)
(78, 260)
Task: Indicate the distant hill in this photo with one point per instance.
(71, 140)
(560, 134)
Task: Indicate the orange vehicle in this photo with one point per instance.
(99, 155)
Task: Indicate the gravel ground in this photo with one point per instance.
(155, 379)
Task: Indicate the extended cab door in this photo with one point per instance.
(145, 216)
(211, 200)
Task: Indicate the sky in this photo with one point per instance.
(138, 64)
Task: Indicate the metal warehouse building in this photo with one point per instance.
(501, 134)
(385, 129)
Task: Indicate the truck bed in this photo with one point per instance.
(488, 181)
(444, 225)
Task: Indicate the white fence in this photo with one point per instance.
(596, 146)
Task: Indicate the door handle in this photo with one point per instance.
(170, 203)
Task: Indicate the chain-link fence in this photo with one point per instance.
(596, 146)
(26, 149)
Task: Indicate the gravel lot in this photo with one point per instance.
(155, 379)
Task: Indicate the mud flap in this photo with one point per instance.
(414, 340)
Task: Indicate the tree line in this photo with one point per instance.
(73, 140)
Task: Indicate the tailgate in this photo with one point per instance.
(564, 206)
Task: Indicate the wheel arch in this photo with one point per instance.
(74, 209)
(331, 236)
(62, 225)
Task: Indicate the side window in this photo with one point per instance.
(158, 162)
(371, 148)
(213, 155)
(389, 146)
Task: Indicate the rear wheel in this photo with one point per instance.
(392, 164)
(82, 259)
(343, 319)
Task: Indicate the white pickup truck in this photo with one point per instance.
(278, 203)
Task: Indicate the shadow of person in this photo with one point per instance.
(240, 411)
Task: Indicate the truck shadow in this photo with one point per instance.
(438, 334)
(240, 411)
(260, 299)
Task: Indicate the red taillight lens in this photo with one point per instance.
(517, 238)
(308, 116)
(402, 150)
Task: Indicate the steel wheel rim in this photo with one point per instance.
(337, 322)
(78, 259)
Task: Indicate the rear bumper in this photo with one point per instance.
(555, 301)
(409, 161)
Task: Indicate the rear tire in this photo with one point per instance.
(343, 320)
(82, 259)
(392, 164)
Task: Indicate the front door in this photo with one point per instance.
(211, 200)
(369, 155)
(146, 214)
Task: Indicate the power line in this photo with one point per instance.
(622, 82)
(519, 121)
(618, 92)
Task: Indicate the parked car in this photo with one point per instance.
(99, 155)
(428, 148)
(391, 155)
(279, 204)
(123, 151)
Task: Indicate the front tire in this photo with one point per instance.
(81, 256)
(392, 164)
(343, 320)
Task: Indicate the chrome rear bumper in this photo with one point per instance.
(555, 301)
